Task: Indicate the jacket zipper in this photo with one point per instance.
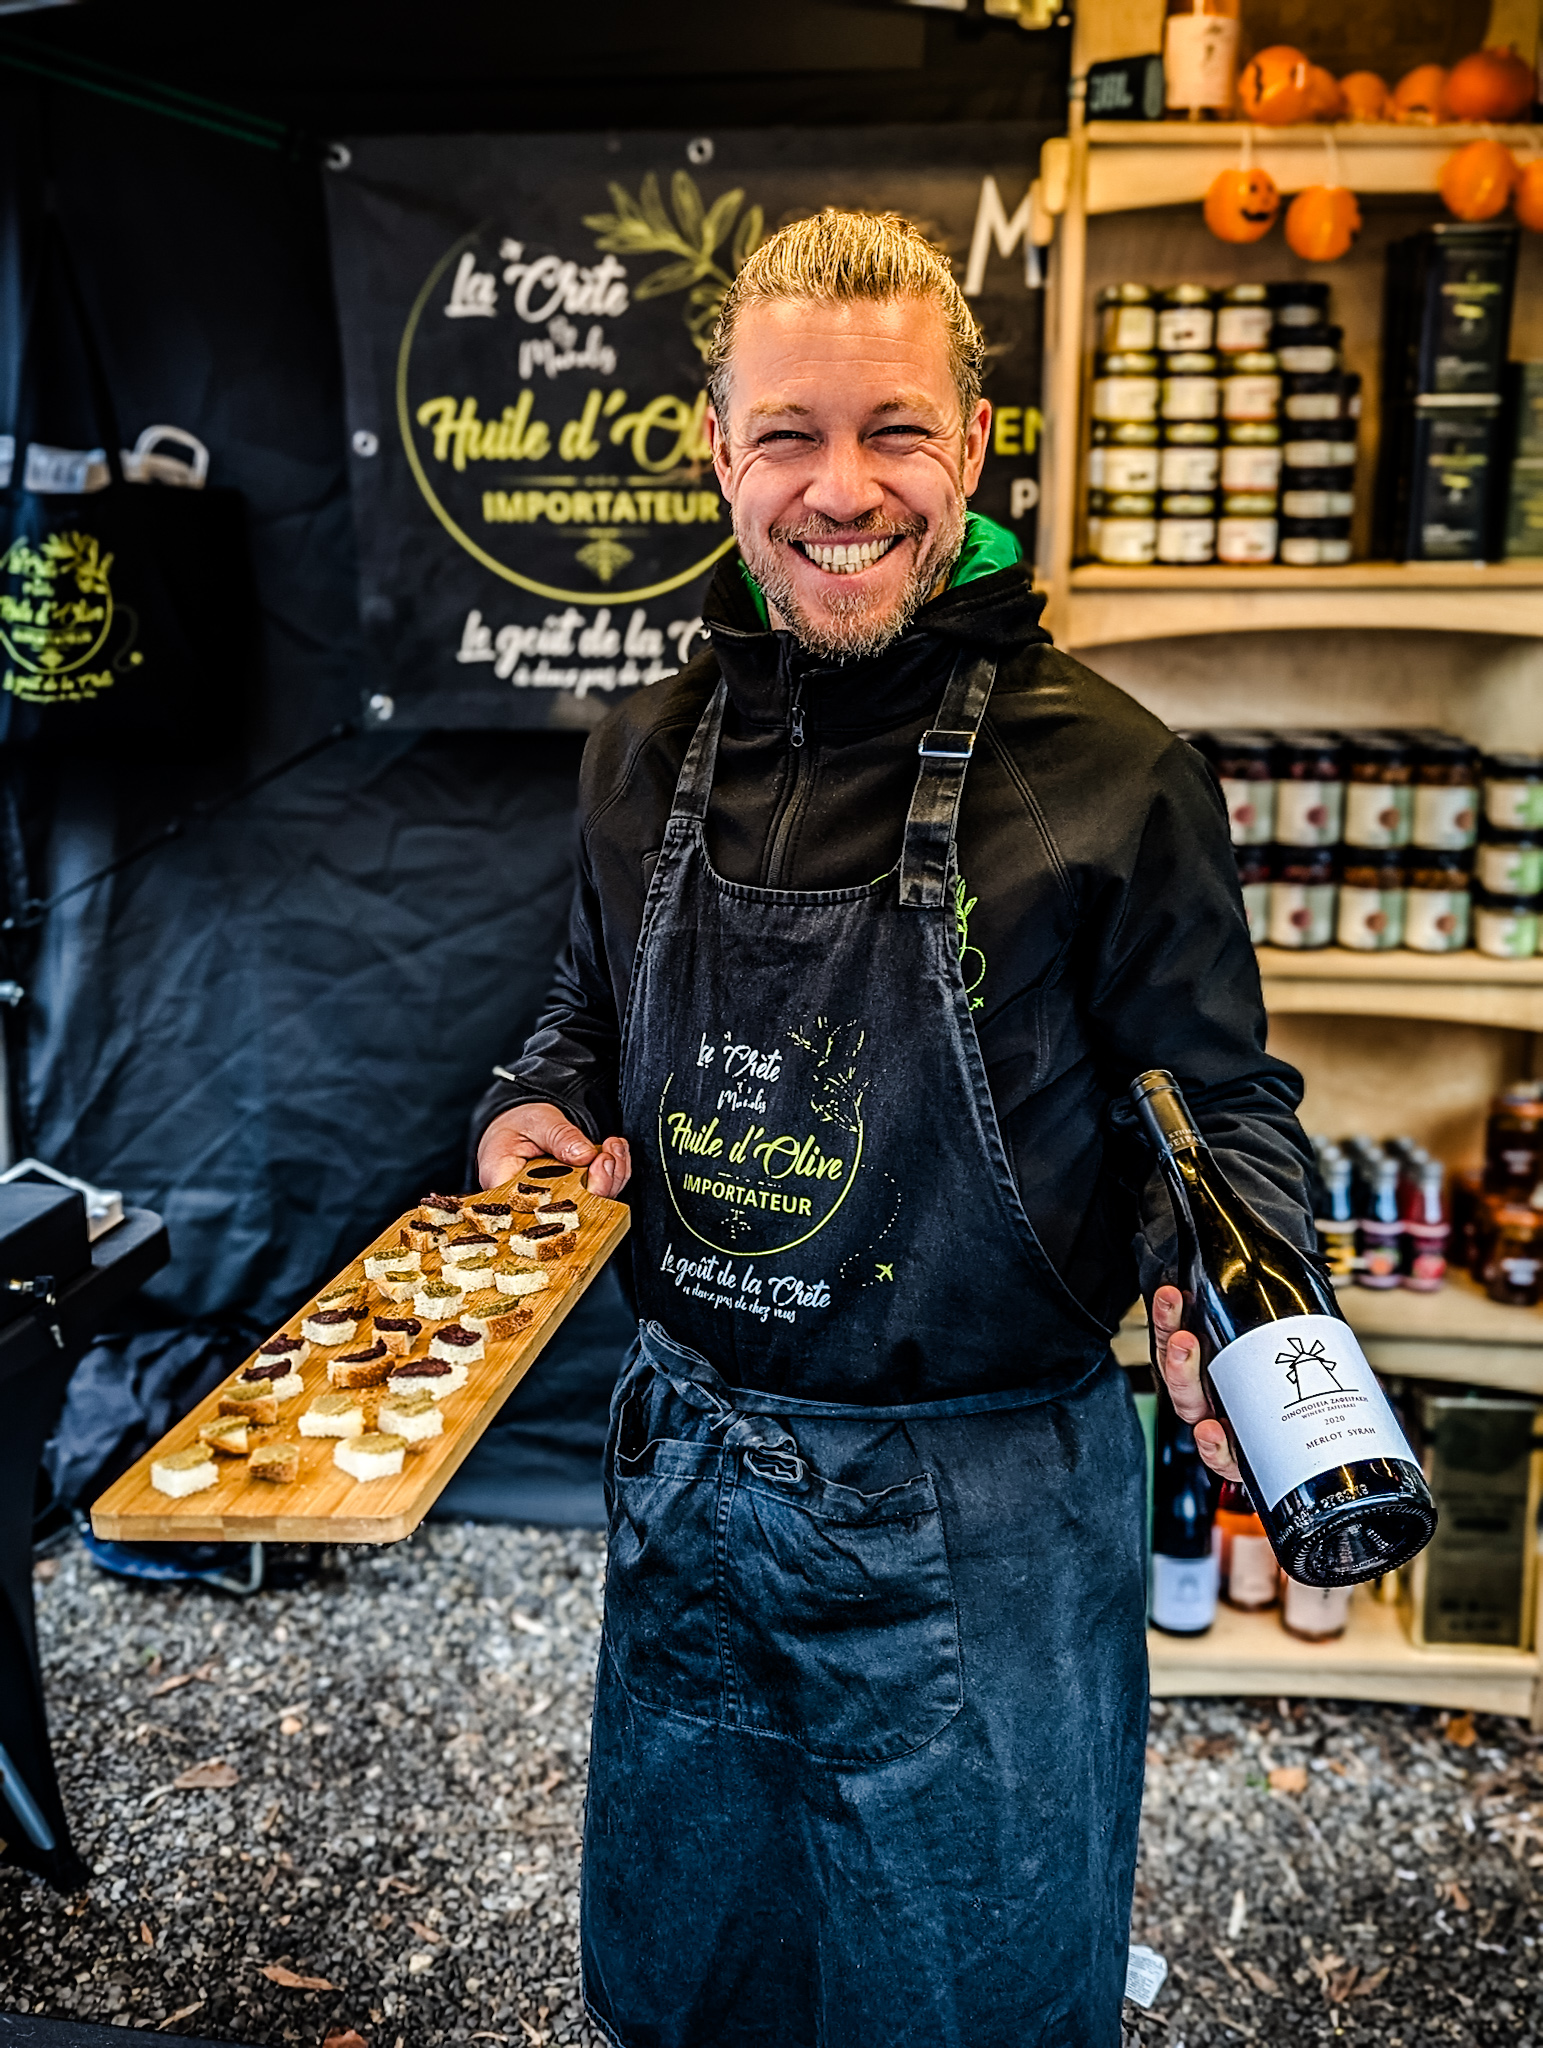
(793, 801)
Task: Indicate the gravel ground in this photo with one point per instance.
(395, 1761)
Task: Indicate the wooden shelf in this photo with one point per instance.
(1373, 1660)
(1134, 164)
(1457, 1334)
(1104, 605)
(1449, 988)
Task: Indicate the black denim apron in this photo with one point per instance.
(869, 1718)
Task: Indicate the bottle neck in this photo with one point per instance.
(1166, 1119)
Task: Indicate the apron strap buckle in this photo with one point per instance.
(939, 745)
(945, 750)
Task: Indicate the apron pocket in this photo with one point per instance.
(661, 1606)
(842, 1631)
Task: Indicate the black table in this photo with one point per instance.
(34, 1371)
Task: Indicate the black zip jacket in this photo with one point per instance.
(1100, 926)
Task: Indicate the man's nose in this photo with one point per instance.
(845, 486)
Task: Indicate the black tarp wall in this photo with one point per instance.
(272, 1028)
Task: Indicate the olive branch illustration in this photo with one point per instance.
(838, 1097)
(643, 227)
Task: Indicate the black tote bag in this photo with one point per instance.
(128, 617)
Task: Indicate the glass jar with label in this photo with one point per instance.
(1186, 527)
(1191, 388)
(1436, 908)
(1245, 768)
(1125, 387)
(1125, 318)
(1309, 789)
(1513, 791)
(1510, 863)
(1308, 350)
(1513, 1266)
(1313, 543)
(1317, 494)
(1122, 467)
(1245, 536)
(1302, 897)
(1505, 927)
(1250, 465)
(1379, 789)
(1370, 918)
(1251, 386)
(1254, 872)
(1513, 1140)
(1189, 466)
(1249, 1574)
(1126, 534)
(1330, 395)
(1320, 444)
(1243, 319)
(1446, 793)
(1186, 319)
(1298, 302)
(1314, 1614)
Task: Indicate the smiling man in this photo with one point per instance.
(882, 903)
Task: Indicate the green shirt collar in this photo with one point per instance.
(987, 548)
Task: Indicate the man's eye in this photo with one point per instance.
(911, 433)
(780, 434)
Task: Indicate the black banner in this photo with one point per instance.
(524, 325)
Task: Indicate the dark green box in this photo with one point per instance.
(1475, 1581)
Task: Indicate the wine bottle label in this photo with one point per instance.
(1302, 1399)
(1252, 1574)
(1200, 60)
(1183, 1592)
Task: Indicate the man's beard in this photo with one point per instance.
(848, 625)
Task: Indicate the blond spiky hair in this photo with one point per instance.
(837, 257)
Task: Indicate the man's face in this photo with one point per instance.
(846, 465)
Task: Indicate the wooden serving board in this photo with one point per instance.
(326, 1505)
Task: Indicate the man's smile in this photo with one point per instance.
(850, 557)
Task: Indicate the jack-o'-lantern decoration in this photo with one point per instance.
(1365, 96)
(1527, 196)
(1275, 87)
(1325, 100)
(1322, 222)
(1491, 85)
(1240, 206)
(1420, 96)
(1476, 181)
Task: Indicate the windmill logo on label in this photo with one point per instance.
(1310, 1370)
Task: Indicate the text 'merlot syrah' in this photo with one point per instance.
(1331, 1474)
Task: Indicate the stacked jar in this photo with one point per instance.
(1366, 839)
(1189, 418)
(1320, 406)
(1251, 451)
(1508, 862)
(1124, 458)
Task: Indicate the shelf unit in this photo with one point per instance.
(1387, 1042)
(1373, 1660)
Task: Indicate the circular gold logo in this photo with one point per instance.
(56, 612)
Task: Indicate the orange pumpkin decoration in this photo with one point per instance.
(1491, 85)
(1420, 96)
(1527, 198)
(1327, 103)
(1322, 222)
(1240, 206)
(1275, 87)
(1476, 180)
(1365, 96)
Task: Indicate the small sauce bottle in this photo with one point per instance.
(1381, 1230)
(1250, 1575)
(1427, 1227)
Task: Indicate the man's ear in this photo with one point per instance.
(718, 445)
(977, 438)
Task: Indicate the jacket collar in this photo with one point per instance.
(984, 606)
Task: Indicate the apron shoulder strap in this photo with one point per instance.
(945, 755)
(696, 772)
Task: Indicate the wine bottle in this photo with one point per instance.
(1200, 56)
(1327, 1466)
(1183, 1577)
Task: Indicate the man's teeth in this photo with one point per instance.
(847, 558)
